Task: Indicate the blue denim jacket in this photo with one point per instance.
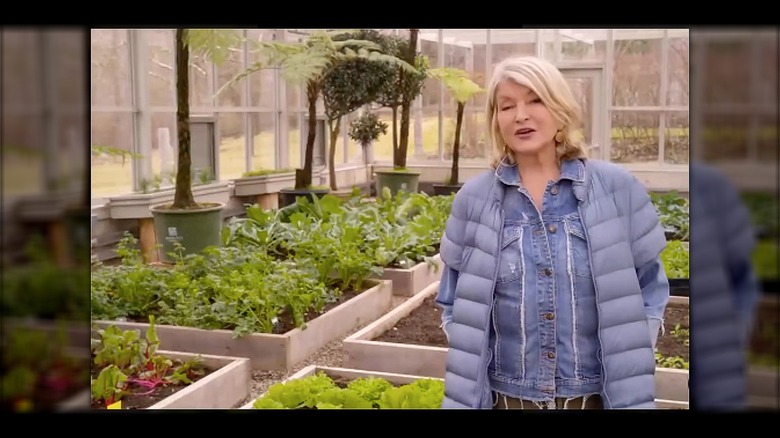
(544, 299)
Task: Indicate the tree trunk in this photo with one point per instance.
(406, 103)
(454, 177)
(395, 134)
(183, 196)
(303, 176)
(334, 136)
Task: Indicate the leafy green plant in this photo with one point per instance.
(462, 89)
(124, 360)
(37, 371)
(764, 212)
(671, 362)
(41, 288)
(266, 172)
(673, 213)
(399, 231)
(367, 128)
(765, 260)
(676, 260)
(319, 391)
(221, 288)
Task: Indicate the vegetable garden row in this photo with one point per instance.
(283, 285)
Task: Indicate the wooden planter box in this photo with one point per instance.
(347, 373)
(263, 184)
(272, 351)
(409, 282)
(363, 352)
(679, 287)
(136, 205)
(224, 388)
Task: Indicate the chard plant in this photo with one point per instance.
(130, 364)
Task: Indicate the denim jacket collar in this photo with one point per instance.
(573, 170)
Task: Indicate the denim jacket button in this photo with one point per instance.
(554, 190)
(547, 272)
(551, 354)
(549, 315)
(552, 228)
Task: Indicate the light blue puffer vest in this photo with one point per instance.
(608, 196)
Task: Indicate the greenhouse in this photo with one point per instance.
(267, 222)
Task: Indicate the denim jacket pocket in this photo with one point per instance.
(511, 254)
(577, 247)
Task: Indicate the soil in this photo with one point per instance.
(140, 397)
(421, 327)
(765, 341)
(671, 342)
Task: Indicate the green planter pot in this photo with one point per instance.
(396, 181)
(194, 229)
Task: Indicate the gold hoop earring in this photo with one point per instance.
(559, 137)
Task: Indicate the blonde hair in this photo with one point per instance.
(548, 83)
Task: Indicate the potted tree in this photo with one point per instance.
(193, 225)
(307, 63)
(343, 94)
(462, 89)
(365, 130)
(403, 87)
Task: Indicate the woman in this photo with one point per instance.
(553, 289)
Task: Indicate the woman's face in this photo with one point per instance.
(526, 124)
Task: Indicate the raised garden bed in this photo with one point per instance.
(130, 372)
(679, 287)
(409, 282)
(762, 383)
(41, 370)
(408, 340)
(279, 351)
(319, 387)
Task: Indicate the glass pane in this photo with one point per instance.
(637, 70)
(725, 136)
(111, 174)
(676, 138)
(232, 144)
(584, 89)
(162, 83)
(505, 43)
(110, 67)
(583, 44)
(678, 72)
(634, 136)
(294, 140)
(767, 137)
(227, 70)
(727, 62)
(261, 83)
(164, 146)
(264, 144)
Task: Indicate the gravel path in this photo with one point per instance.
(332, 355)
